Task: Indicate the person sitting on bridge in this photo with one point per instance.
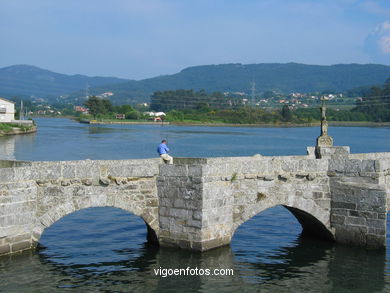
(163, 152)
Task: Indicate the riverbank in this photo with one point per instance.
(15, 129)
(287, 124)
(126, 122)
(219, 124)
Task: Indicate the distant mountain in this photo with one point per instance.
(26, 80)
(285, 78)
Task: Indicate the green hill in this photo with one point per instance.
(285, 78)
(26, 80)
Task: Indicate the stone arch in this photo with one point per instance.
(314, 219)
(62, 210)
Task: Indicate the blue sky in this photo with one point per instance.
(144, 38)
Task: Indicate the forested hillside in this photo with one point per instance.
(284, 78)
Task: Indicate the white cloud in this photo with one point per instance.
(378, 43)
(385, 44)
(382, 33)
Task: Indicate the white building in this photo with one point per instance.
(7, 110)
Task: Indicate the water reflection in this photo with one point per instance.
(9, 145)
(300, 270)
(112, 255)
(7, 148)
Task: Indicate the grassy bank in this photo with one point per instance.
(286, 124)
(10, 129)
(219, 123)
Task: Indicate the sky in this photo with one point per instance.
(139, 39)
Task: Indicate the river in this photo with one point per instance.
(104, 249)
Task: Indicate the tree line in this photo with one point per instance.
(189, 99)
(200, 106)
(375, 104)
(103, 107)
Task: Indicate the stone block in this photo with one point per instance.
(6, 175)
(376, 223)
(152, 203)
(360, 221)
(173, 170)
(337, 219)
(353, 166)
(337, 165)
(274, 166)
(48, 171)
(343, 205)
(68, 170)
(375, 241)
(195, 170)
(179, 213)
(4, 249)
(368, 166)
(323, 203)
(19, 246)
(289, 165)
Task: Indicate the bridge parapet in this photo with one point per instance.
(199, 203)
(204, 201)
(337, 196)
(33, 195)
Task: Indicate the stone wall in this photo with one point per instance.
(359, 186)
(34, 195)
(339, 197)
(199, 203)
(180, 191)
(203, 202)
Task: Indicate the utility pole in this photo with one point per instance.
(253, 91)
(86, 91)
(21, 110)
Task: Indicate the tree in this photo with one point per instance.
(94, 105)
(133, 115)
(123, 109)
(286, 113)
(107, 106)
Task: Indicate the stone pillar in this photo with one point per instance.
(358, 199)
(193, 214)
(358, 214)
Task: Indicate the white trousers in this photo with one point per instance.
(167, 158)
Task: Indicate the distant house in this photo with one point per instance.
(155, 114)
(81, 109)
(120, 116)
(7, 110)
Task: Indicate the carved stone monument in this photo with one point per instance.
(324, 140)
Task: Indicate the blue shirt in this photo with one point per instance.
(162, 149)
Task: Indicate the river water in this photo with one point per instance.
(104, 249)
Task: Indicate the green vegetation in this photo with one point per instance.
(103, 109)
(191, 100)
(376, 104)
(280, 78)
(190, 106)
(7, 128)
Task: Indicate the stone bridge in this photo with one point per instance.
(198, 204)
